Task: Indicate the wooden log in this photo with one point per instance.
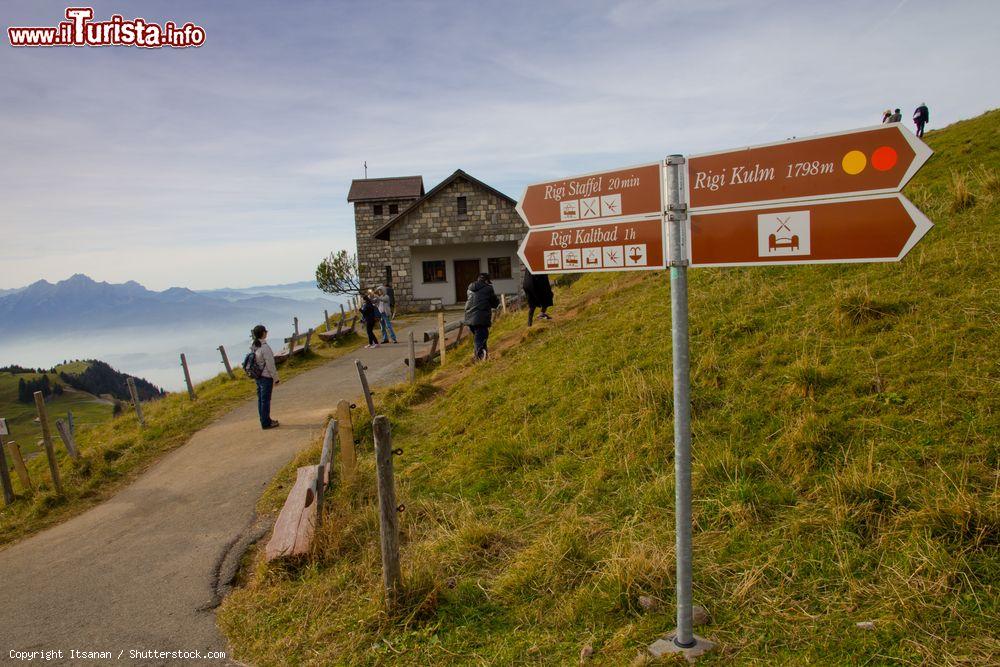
(413, 359)
(225, 362)
(134, 393)
(348, 455)
(67, 438)
(50, 451)
(461, 330)
(296, 523)
(431, 335)
(187, 377)
(365, 388)
(14, 450)
(388, 512)
(441, 335)
(8, 488)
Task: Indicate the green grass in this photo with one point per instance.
(114, 450)
(846, 456)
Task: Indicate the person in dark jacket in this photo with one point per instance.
(538, 291)
(921, 116)
(896, 117)
(480, 302)
(370, 316)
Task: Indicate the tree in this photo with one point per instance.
(338, 274)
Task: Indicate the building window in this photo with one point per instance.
(377, 209)
(434, 272)
(462, 207)
(499, 268)
(393, 209)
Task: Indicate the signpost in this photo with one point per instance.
(831, 198)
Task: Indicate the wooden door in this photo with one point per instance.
(466, 272)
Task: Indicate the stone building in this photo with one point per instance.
(437, 243)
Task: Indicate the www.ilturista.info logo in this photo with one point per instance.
(80, 30)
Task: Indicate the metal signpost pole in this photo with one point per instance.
(676, 215)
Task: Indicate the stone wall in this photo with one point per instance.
(373, 254)
(488, 218)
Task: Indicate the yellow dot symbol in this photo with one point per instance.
(854, 162)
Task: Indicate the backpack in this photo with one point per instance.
(253, 370)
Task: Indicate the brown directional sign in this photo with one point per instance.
(620, 246)
(622, 194)
(880, 228)
(869, 161)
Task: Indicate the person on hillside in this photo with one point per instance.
(369, 315)
(264, 358)
(481, 299)
(896, 117)
(385, 315)
(538, 292)
(921, 116)
(886, 115)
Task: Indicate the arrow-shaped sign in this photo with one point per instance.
(620, 246)
(622, 194)
(869, 161)
(879, 228)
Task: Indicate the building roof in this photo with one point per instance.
(383, 231)
(397, 187)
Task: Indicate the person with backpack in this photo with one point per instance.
(369, 315)
(259, 365)
(538, 291)
(896, 117)
(921, 116)
(481, 299)
(385, 315)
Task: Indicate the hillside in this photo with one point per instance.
(846, 456)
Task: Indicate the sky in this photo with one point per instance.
(229, 164)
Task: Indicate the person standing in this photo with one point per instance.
(896, 117)
(886, 115)
(385, 315)
(538, 291)
(921, 116)
(480, 302)
(369, 315)
(264, 358)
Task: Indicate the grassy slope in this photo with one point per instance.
(115, 451)
(87, 410)
(846, 469)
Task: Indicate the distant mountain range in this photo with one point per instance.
(82, 304)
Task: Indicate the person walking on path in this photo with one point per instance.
(479, 305)
(264, 358)
(369, 315)
(385, 315)
(538, 291)
(896, 117)
(921, 116)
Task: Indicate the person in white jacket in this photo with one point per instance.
(264, 357)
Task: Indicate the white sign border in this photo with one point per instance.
(548, 228)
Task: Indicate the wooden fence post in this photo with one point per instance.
(326, 319)
(50, 452)
(323, 470)
(135, 400)
(343, 315)
(413, 358)
(22, 471)
(365, 388)
(441, 337)
(388, 512)
(187, 377)
(503, 304)
(348, 455)
(67, 439)
(71, 422)
(309, 335)
(8, 488)
(225, 362)
(295, 321)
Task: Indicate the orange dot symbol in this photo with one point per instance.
(884, 158)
